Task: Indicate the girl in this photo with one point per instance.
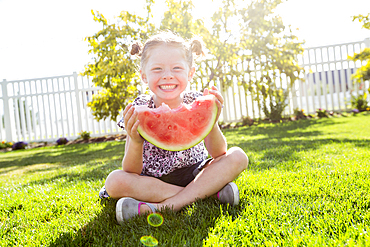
(152, 178)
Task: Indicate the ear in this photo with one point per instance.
(143, 77)
(191, 73)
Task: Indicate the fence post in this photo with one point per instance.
(7, 123)
(78, 103)
(367, 42)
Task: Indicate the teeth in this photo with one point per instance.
(167, 87)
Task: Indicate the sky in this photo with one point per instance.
(43, 38)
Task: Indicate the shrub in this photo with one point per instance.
(19, 145)
(276, 106)
(247, 120)
(299, 113)
(85, 135)
(5, 144)
(355, 111)
(275, 112)
(321, 113)
(359, 102)
(62, 141)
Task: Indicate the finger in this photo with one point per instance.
(205, 92)
(126, 109)
(134, 131)
(218, 95)
(131, 118)
(219, 105)
(128, 114)
(135, 126)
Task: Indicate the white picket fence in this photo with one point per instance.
(45, 109)
(327, 83)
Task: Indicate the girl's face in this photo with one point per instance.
(167, 74)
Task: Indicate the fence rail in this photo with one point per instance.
(45, 109)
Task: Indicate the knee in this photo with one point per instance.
(116, 184)
(239, 157)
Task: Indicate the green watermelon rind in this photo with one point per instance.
(207, 130)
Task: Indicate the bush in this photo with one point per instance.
(359, 102)
(4, 145)
(321, 113)
(299, 113)
(62, 141)
(85, 135)
(276, 105)
(247, 121)
(19, 145)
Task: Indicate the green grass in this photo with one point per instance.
(307, 184)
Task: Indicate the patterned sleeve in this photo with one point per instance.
(189, 97)
(143, 99)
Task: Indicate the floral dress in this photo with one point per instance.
(158, 162)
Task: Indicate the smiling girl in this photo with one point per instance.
(151, 178)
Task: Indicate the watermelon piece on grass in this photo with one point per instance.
(180, 128)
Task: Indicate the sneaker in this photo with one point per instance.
(103, 193)
(127, 208)
(229, 194)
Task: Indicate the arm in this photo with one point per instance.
(215, 141)
(133, 159)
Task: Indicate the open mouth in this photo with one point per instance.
(167, 87)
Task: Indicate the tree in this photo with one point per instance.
(242, 39)
(252, 46)
(113, 68)
(178, 18)
(271, 50)
(362, 73)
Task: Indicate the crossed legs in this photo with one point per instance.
(208, 182)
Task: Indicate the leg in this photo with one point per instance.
(209, 181)
(123, 184)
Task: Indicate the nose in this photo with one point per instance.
(167, 75)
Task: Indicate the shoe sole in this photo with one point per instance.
(236, 193)
(119, 214)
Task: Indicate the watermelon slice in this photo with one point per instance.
(180, 128)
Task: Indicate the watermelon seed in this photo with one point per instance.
(158, 115)
(175, 127)
(169, 127)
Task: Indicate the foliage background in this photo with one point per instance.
(247, 44)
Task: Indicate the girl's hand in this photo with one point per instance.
(129, 116)
(219, 99)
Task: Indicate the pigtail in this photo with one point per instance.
(136, 49)
(197, 47)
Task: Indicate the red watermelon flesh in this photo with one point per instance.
(180, 128)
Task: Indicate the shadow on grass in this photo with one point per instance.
(77, 154)
(282, 130)
(276, 143)
(188, 227)
(274, 153)
(98, 171)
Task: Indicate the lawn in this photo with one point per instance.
(307, 184)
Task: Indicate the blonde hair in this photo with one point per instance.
(171, 39)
